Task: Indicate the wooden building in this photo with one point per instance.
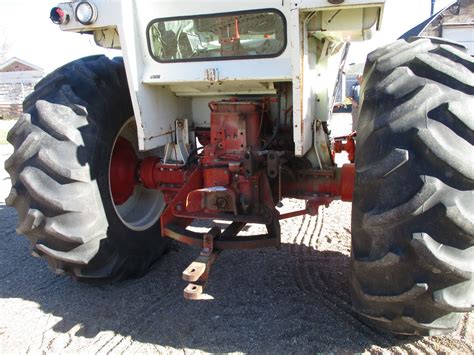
(17, 80)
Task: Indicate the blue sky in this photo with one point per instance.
(35, 39)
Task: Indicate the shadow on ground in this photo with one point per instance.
(257, 303)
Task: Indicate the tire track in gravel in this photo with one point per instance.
(317, 269)
(111, 345)
(324, 272)
(320, 266)
(309, 266)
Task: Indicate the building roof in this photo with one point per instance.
(14, 60)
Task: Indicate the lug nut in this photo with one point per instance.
(221, 202)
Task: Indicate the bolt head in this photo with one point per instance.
(221, 202)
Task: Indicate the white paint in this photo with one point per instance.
(33, 37)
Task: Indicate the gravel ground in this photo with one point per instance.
(272, 301)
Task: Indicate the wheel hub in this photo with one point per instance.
(123, 171)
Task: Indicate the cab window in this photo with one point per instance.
(251, 34)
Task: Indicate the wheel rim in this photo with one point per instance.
(138, 208)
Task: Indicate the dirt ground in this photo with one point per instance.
(266, 301)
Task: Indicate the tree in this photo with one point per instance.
(5, 44)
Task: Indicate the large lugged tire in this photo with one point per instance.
(413, 220)
(60, 174)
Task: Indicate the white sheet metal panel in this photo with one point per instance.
(312, 79)
(263, 69)
(320, 4)
(157, 106)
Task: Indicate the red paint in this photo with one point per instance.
(166, 177)
(322, 186)
(122, 171)
(60, 12)
(220, 186)
(348, 146)
(347, 182)
(235, 125)
(154, 174)
(193, 181)
(203, 135)
(147, 169)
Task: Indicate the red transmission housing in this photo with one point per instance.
(235, 125)
(234, 132)
(231, 181)
(234, 135)
(224, 184)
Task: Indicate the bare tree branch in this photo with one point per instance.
(5, 44)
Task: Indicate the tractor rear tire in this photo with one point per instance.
(60, 174)
(413, 218)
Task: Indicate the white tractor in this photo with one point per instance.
(219, 110)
